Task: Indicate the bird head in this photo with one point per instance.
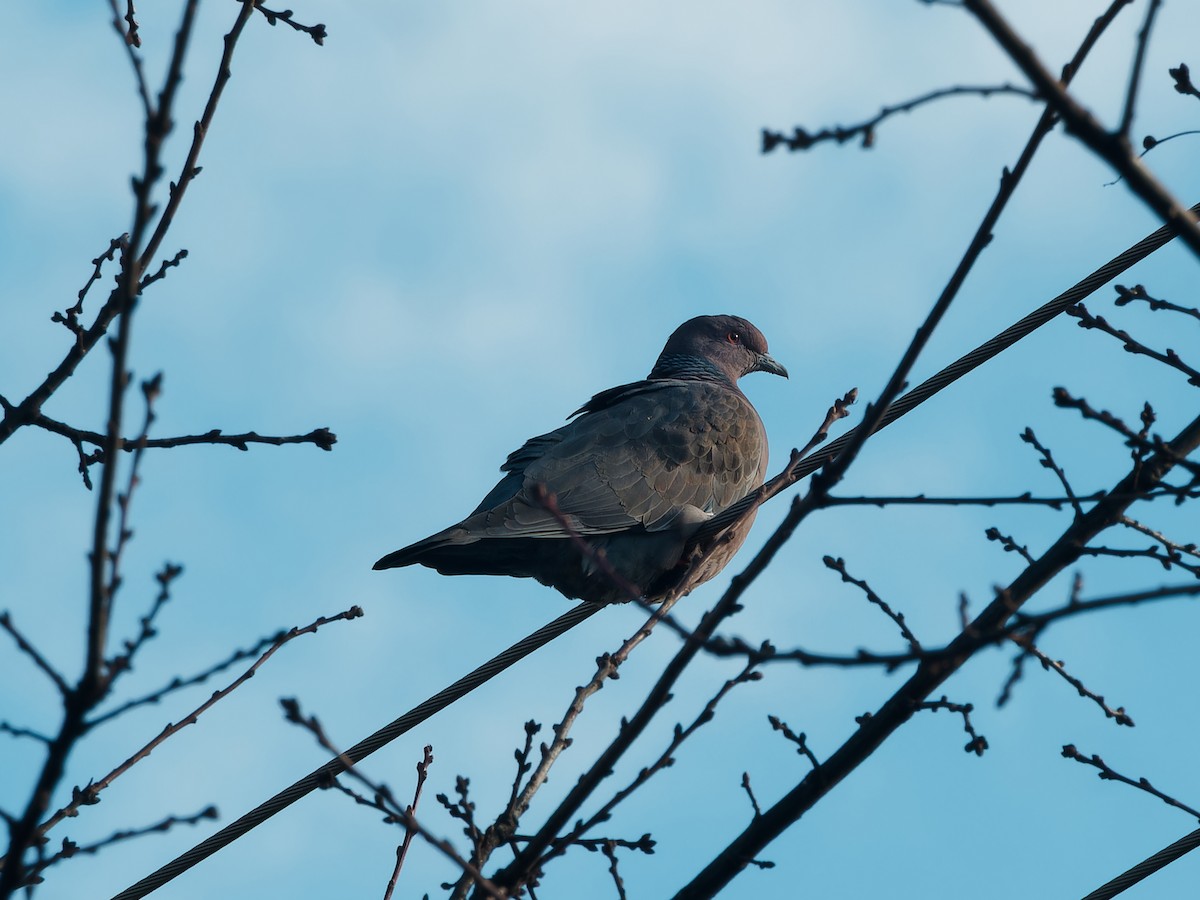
(729, 344)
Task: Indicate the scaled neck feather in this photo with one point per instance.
(685, 367)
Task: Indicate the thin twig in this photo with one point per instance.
(1107, 773)
(1021, 622)
(1137, 441)
(800, 139)
(664, 760)
(463, 809)
(321, 437)
(523, 763)
(150, 392)
(1174, 549)
(124, 661)
(1008, 543)
(1168, 357)
(799, 739)
(409, 831)
(179, 683)
(1167, 560)
(839, 565)
(127, 28)
(89, 794)
(1051, 665)
(977, 743)
(70, 849)
(34, 654)
(1026, 499)
(199, 132)
(1026, 620)
(316, 32)
(162, 269)
(382, 798)
(750, 793)
(1017, 673)
(1135, 71)
(1047, 462)
(1138, 292)
(70, 318)
(607, 665)
(609, 850)
(18, 732)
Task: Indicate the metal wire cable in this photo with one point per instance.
(573, 617)
(1185, 844)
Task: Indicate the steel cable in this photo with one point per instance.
(1146, 867)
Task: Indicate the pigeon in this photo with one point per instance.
(602, 508)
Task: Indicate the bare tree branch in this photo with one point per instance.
(70, 849)
(316, 32)
(88, 795)
(977, 743)
(800, 139)
(1138, 292)
(382, 799)
(18, 732)
(1009, 544)
(409, 831)
(839, 565)
(1169, 357)
(1106, 773)
(800, 740)
(127, 28)
(1118, 715)
(34, 654)
(1112, 147)
(321, 437)
(1047, 461)
(1026, 499)
(1135, 71)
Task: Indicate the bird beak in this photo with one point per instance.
(767, 363)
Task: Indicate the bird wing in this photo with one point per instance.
(641, 456)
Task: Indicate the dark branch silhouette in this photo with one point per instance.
(1107, 773)
(1126, 296)
(802, 139)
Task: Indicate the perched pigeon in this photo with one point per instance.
(639, 470)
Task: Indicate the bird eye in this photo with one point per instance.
(733, 337)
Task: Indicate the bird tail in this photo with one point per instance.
(450, 554)
(421, 552)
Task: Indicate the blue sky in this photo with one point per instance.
(438, 235)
